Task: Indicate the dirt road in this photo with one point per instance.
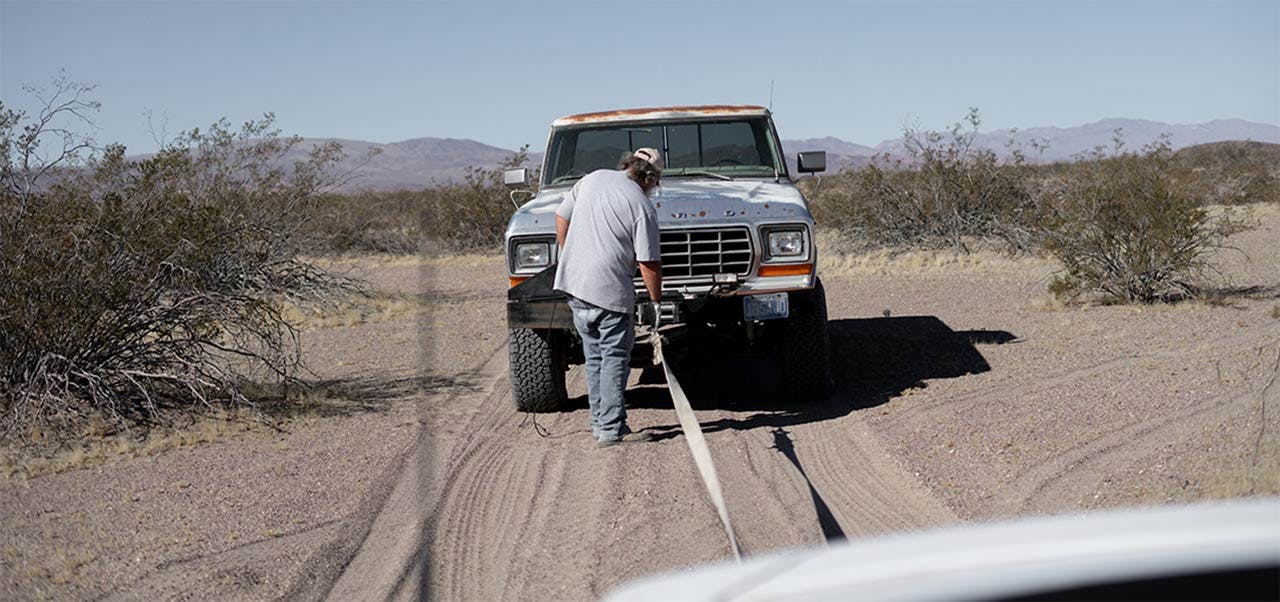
(515, 515)
(975, 397)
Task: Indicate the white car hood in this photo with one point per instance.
(687, 201)
(992, 561)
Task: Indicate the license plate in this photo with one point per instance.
(765, 307)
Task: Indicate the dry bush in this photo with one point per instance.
(471, 216)
(127, 287)
(1122, 225)
(1132, 225)
(945, 194)
(1230, 173)
(368, 222)
(468, 216)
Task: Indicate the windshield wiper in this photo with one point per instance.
(564, 179)
(718, 176)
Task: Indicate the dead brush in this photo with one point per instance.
(131, 287)
(1122, 226)
(945, 194)
(1135, 227)
(456, 217)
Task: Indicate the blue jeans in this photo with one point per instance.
(607, 337)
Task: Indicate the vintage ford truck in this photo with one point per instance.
(739, 263)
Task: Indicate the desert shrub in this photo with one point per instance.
(1230, 173)
(368, 222)
(473, 215)
(128, 287)
(1122, 225)
(457, 217)
(945, 193)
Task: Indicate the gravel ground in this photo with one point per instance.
(975, 398)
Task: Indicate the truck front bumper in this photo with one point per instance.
(540, 315)
(680, 302)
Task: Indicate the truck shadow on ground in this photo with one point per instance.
(873, 360)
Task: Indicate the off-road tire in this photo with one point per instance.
(806, 347)
(537, 369)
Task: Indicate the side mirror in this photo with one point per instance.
(516, 178)
(811, 161)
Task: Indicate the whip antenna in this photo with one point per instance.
(770, 96)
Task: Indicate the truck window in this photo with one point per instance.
(715, 145)
(735, 147)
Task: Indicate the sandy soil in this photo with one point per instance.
(975, 398)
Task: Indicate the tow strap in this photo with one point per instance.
(697, 444)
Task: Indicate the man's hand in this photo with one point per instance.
(651, 315)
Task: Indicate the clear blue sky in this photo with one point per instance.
(499, 73)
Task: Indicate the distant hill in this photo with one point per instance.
(409, 164)
(1066, 143)
(422, 162)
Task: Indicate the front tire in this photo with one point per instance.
(806, 346)
(537, 370)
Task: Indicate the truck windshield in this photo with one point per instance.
(741, 147)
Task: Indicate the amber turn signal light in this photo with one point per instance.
(802, 269)
(518, 279)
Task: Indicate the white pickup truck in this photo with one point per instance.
(739, 263)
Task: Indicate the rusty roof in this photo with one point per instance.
(660, 113)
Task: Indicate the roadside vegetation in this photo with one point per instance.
(137, 293)
(130, 288)
(1134, 226)
(470, 216)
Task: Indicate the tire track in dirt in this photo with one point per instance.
(387, 559)
(1081, 468)
(499, 515)
(1074, 376)
(869, 492)
(517, 516)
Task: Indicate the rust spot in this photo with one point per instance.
(766, 205)
(659, 205)
(743, 212)
(621, 113)
(702, 214)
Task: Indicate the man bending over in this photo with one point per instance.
(605, 226)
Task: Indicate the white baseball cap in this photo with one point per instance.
(651, 155)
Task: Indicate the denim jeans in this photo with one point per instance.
(607, 337)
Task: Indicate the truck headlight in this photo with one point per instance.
(786, 243)
(533, 255)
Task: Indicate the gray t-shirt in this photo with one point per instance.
(612, 225)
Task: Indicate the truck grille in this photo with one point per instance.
(705, 252)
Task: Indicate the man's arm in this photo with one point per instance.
(649, 252)
(651, 272)
(564, 213)
(562, 230)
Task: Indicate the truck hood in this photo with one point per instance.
(692, 202)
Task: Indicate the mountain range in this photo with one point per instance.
(422, 162)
